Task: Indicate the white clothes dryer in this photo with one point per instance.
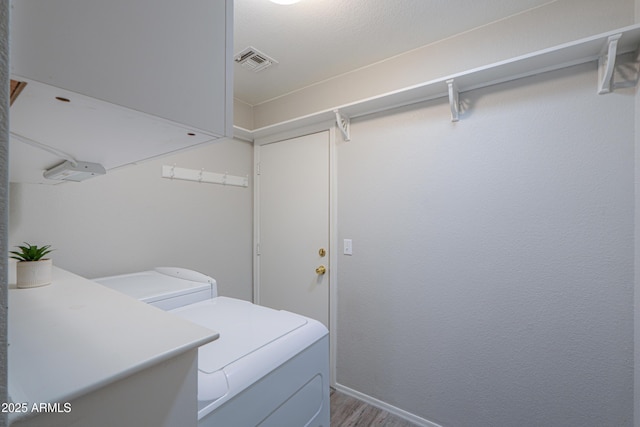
(268, 368)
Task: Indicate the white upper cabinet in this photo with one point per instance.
(119, 81)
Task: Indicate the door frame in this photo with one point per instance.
(333, 229)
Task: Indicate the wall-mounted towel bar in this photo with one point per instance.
(200, 175)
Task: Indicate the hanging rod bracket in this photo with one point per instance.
(344, 124)
(454, 102)
(607, 63)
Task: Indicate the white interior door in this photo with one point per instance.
(293, 226)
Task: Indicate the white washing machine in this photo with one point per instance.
(268, 368)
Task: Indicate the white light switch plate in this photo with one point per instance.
(348, 247)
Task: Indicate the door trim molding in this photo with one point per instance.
(295, 133)
(330, 128)
(333, 254)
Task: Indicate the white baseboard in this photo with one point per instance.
(385, 406)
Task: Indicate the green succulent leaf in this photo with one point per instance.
(31, 252)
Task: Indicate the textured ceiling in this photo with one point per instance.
(315, 40)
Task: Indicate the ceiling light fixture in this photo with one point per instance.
(69, 170)
(285, 1)
(74, 171)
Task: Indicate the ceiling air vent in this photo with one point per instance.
(254, 60)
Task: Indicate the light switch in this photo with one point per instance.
(348, 247)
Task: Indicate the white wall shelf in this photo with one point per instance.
(565, 55)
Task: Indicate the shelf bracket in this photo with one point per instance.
(454, 102)
(344, 124)
(606, 64)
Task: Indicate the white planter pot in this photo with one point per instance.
(31, 274)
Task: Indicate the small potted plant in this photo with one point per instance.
(32, 269)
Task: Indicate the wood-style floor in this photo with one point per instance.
(347, 411)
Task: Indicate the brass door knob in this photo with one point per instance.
(321, 270)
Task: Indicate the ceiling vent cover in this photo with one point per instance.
(254, 60)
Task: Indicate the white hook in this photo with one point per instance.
(173, 171)
(201, 172)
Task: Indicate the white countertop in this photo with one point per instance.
(75, 336)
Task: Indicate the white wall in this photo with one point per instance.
(491, 282)
(132, 219)
(242, 114)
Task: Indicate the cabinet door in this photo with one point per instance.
(171, 59)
